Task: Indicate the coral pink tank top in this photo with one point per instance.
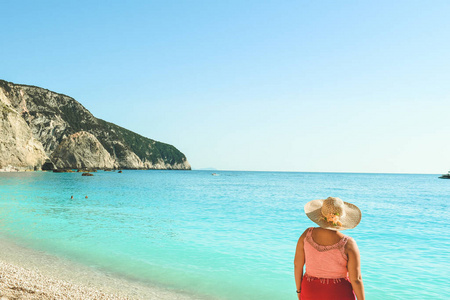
(325, 261)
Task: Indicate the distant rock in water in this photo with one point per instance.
(44, 129)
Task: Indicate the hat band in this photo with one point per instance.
(335, 219)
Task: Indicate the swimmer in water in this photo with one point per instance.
(71, 197)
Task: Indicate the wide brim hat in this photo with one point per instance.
(344, 215)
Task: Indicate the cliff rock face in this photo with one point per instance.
(15, 134)
(71, 153)
(38, 124)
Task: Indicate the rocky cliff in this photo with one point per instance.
(38, 125)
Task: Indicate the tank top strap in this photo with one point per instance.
(344, 240)
(342, 244)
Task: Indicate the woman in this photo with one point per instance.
(333, 269)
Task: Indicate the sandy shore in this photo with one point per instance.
(20, 283)
(30, 274)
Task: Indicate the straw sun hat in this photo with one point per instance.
(333, 213)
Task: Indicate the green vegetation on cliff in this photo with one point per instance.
(144, 148)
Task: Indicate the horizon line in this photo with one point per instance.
(331, 172)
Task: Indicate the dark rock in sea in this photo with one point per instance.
(87, 174)
(38, 124)
(120, 171)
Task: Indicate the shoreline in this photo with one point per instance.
(30, 274)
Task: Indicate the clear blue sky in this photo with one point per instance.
(346, 86)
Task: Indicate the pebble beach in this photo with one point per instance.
(21, 283)
(31, 274)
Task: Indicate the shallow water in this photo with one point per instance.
(230, 236)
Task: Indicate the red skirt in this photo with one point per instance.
(329, 289)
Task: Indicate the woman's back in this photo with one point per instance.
(325, 256)
(326, 237)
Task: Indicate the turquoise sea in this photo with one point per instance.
(231, 236)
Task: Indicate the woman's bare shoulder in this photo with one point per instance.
(351, 245)
(302, 237)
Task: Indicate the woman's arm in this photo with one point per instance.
(299, 262)
(354, 269)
